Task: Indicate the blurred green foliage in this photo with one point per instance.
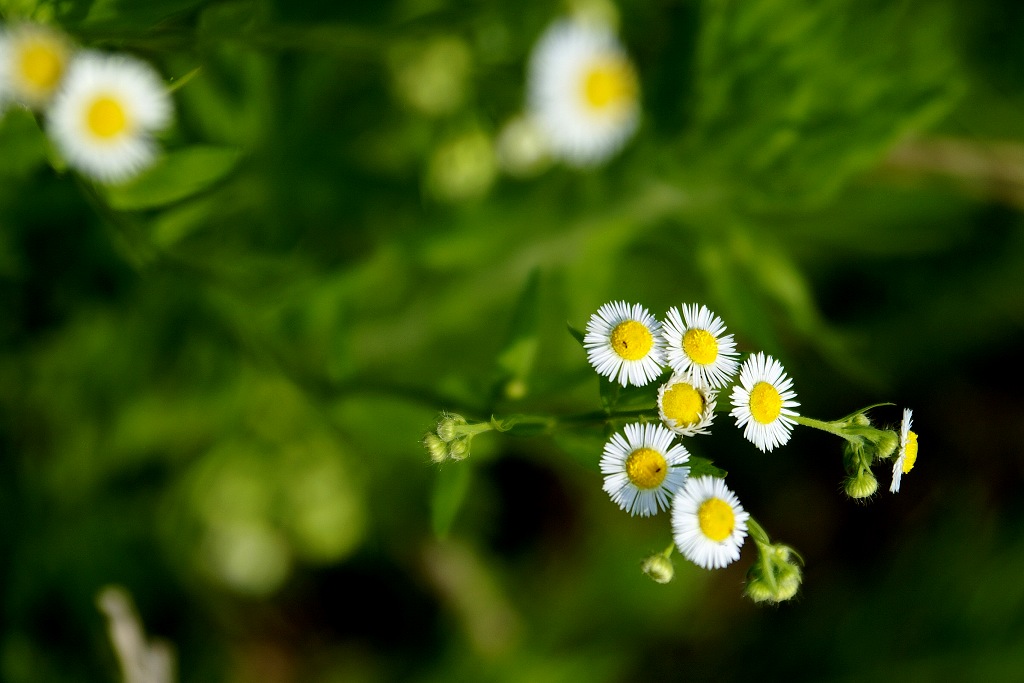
(214, 379)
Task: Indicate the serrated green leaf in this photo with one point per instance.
(700, 467)
(450, 489)
(176, 176)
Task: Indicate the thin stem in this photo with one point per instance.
(183, 81)
(824, 426)
(548, 424)
(757, 532)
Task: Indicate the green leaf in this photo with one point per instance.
(450, 489)
(176, 176)
(131, 14)
(700, 467)
(614, 396)
(575, 333)
(515, 361)
(796, 97)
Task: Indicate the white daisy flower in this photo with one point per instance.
(583, 91)
(624, 343)
(643, 469)
(697, 346)
(686, 408)
(708, 523)
(763, 402)
(33, 60)
(908, 451)
(103, 117)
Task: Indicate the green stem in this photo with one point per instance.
(183, 81)
(757, 532)
(825, 427)
(667, 552)
(547, 424)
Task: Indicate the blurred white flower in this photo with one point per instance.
(103, 117)
(33, 60)
(583, 92)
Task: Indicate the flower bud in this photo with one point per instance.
(522, 150)
(462, 168)
(887, 444)
(448, 426)
(459, 449)
(862, 485)
(659, 568)
(860, 420)
(435, 447)
(775, 577)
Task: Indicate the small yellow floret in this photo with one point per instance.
(42, 65)
(609, 83)
(911, 453)
(765, 403)
(646, 468)
(682, 403)
(701, 346)
(106, 117)
(632, 340)
(716, 519)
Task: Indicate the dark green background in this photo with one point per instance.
(213, 382)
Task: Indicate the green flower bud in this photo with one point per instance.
(522, 148)
(775, 577)
(459, 449)
(758, 590)
(887, 444)
(462, 168)
(862, 485)
(448, 426)
(437, 448)
(659, 568)
(860, 420)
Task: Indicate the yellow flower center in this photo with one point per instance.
(716, 519)
(646, 468)
(106, 117)
(609, 83)
(682, 403)
(911, 453)
(41, 65)
(701, 346)
(765, 403)
(632, 340)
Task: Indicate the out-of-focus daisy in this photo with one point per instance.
(686, 408)
(33, 60)
(708, 522)
(583, 91)
(624, 343)
(763, 402)
(697, 346)
(105, 113)
(643, 469)
(908, 451)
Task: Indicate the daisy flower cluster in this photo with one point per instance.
(647, 464)
(100, 110)
(689, 353)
